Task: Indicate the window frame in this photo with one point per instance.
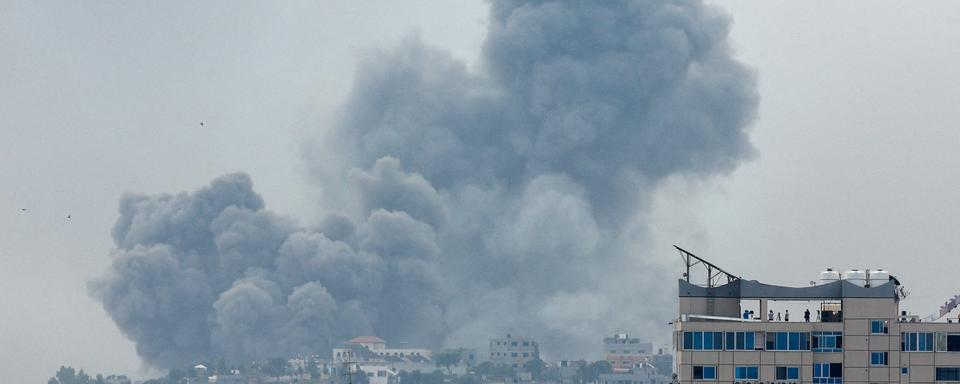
(879, 359)
(955, 374)
(697, 341)
(826, 375)
(818, 341)
(917, 341)
(790, 373)
(879, 327)
(704, 369)
(788, 341)
(746, 373)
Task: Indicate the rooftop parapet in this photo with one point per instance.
(752, 289)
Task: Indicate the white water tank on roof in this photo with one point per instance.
(879, 277)
(856, 276)
(829, 276)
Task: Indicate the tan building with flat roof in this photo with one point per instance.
(858, 335)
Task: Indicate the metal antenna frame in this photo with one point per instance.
(714, 273)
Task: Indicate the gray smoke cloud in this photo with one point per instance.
(463, 201)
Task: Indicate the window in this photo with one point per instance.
(704, 372)
(514, 354)
(526, 354)
(526, 343)
(741, 341)
(788, 373)
(703, 341)
(948, 342)
(788, 341)
(948, 374)
(746, 373)
(916, 341)
(879, 327)
(878, 358)
(513, 343)
(904, 370)
(828, 373)
(381, 373)
(826, 341)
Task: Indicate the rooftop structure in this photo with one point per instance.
(846, 328)
(369, 348)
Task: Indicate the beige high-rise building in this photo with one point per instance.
(855, 333)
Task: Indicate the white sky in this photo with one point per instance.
(858, 166)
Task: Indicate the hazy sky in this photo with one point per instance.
(857, 164)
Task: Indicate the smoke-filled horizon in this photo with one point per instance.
(462, 204)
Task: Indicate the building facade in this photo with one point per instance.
(513, 351)
(857, 336)
(641, 374)
(381, 364)
(663, 362)
(624, 353)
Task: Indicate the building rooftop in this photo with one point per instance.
(752, 289)
(366, 340)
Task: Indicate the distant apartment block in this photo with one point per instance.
(663, 362)
(625, 353)
(513, 351)
(642, 374)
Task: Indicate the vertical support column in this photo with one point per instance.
(763, 310)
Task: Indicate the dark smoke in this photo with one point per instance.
(463, 202)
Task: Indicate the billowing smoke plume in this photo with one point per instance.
(463, 203)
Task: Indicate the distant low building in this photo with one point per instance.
(663, 362)
(380, 363)
(513, 351)
(642, 374)
(567, 370)
(234, 378)
(378, 347)
(624, 353)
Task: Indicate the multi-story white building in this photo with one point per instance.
(381, 364)
(624, 353)
(854, 333)
(377, 347)
(513, 351)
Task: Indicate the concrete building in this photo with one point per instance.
(380, 363)
(234, 378)
(513, 351)
(641, 374)
(567, 370)
(625, 353)
(663, 362)
(379, 347)
(859, 335)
